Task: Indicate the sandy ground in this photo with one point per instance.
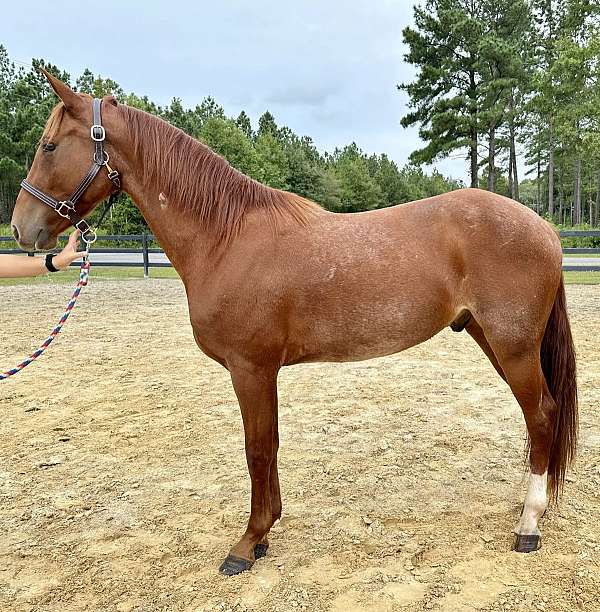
(123, 481)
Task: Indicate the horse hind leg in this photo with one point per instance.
(476, 332)
(526, 379)
(539, 366)
(521, 369)
(518, 362)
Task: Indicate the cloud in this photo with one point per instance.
(303, 94)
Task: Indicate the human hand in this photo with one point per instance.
(69, 254)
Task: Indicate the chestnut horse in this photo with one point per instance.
(273, 280)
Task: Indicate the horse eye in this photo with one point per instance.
(49, 146)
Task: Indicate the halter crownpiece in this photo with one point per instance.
(66, 208)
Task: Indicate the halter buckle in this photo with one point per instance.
(69, 207)
(89, 237)
(98, 133)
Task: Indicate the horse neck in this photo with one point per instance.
(212, 202)
(178, 231)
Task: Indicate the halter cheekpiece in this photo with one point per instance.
(66, 208)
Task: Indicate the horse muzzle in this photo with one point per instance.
(33, 237)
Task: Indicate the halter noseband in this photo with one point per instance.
(66, 208)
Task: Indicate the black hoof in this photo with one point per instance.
(527, 543)
(260, 551)
(234, 565)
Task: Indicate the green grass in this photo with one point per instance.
(582, 278)
(97, 274)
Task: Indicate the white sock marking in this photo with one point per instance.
(536, 502)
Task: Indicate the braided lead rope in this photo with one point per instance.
(84, 272)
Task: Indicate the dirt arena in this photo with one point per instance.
(123, 480)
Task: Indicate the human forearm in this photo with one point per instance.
(14, 266)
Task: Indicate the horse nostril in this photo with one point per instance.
(15, 232)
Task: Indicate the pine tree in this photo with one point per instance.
(445, 96)
(359, 191)
(97, 86)
(267, 125)
(243, 122)
(504, 68)
(274, 170)
(226, 138)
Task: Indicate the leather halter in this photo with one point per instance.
(66, 208)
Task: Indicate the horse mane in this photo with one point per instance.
(201, 182)
(53, 123)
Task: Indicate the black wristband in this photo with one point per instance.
(49, 263)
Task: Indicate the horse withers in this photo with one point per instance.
(273, 280)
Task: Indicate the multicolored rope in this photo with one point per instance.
(84, 272)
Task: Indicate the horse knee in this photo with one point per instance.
(259, 456)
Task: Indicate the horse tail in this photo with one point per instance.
(559, 367)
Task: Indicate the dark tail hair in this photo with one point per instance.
(558, 364)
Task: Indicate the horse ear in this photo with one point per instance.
(64, 92)
(111, 100)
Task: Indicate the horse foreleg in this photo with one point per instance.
(256, 390)
(260, 550)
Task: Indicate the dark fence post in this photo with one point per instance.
(145, 255)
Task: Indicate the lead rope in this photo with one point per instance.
(84, 273)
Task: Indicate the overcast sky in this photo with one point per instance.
(327, 69)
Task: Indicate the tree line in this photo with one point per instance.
(514, 83)
(346, 180)
(508, 80)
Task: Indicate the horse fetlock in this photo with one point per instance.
(528, 525)
(536, 502)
